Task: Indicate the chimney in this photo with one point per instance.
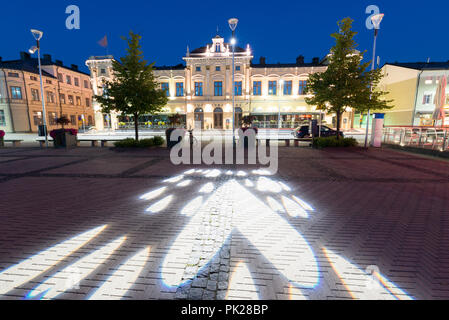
(300, 60)
(1, 59)
(59, 63)
(74, 67)
(316, 60)
(262, 60)
(24, 55)
(47, 57)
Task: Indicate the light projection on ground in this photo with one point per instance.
(14, 276)
(123, 278)
(258, 216)
(71, 276)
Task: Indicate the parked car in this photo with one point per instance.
(303, 132)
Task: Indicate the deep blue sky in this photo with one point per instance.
(279, 30)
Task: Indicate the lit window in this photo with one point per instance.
(257, 88)
(218, 88)
(198, 89)
(287, 88)
(302, 87)
(179, 89)
(238, 88)
(272, 88)
(165, 87)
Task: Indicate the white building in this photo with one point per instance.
(201, 89)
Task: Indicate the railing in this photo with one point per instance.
(435, 138)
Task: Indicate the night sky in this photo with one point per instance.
(280, 30)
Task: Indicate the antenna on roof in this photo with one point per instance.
(428, 60)
(217, 30)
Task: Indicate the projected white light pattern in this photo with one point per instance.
(248, 211)
(116, 286)
(72, 275)
(160, 205)
(14, 276)
(359, 284)
(241, 284)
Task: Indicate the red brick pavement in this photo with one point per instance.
(379, 208)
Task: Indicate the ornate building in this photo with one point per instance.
(201, 90)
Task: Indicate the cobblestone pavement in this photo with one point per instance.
(336, 224)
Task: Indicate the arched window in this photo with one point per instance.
(199, 117)
(238, 116)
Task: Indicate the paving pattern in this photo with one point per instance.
(93, 223)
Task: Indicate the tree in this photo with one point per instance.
(133, 90)
(346, 83)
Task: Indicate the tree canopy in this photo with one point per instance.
(346, 83)
(133, 89)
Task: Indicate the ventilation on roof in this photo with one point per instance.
(300, 59)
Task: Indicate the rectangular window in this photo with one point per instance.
(198, 69)
(78, 101)
(272, 88)
(50, 97)
(13, 74)
(48, 81)
(302, 87)
(16, 92)
(103, 71)
(217, 68)
(71, 101)
(35, 94)
(77, 82)
(86, 84)
(52, 117)
(287, 88)
(87, 102)
(73, 120)
(60, 78)
(198, 89)
(68, 79)
(257, 88)
(2, 118)
(179, 89)
(237, 68)
(238, 88)
(37, 118)
(427, 98)
(218, 88)
(165, 87)
(62, 98)
(33, 78)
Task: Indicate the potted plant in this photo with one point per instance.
(247, 125)
(64, 138)
(175, 123)
(2, 135)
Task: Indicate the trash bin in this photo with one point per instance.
(42, 130)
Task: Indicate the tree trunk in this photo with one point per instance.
(136, 125)
(338, 124)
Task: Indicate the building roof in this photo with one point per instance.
(286, 65)
(421, 65)
(203, 49)
(21, 65)
(177, 67)
(29, 64)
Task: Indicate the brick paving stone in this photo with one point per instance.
(378, 209)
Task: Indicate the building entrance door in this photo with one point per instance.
(199, 117)
(218, 118)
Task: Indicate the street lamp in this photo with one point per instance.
(233, 25)
(376, 20)
(37, 36)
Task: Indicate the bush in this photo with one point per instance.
(144, 143)
(158, 141)
(332, 142)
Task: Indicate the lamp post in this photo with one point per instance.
(38, 35)
(233, 25)
(376, 20)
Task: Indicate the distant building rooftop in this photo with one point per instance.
(421, 65)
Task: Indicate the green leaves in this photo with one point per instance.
(346, 83)
(133, 90)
